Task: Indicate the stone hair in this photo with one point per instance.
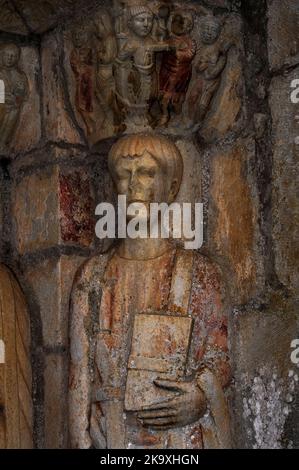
(161, 148)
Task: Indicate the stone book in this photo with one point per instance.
(159, 350)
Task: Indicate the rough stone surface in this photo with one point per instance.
(264, 374)
(59, 126)
(285, 181)
(37, 218)
(28, 132)
(10, 20)
(233, 216)
(56, 372)
(283, 24)
(51, 281)
(61, 214)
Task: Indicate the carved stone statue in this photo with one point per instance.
(105, 56)
(176, 67)
(135, 70)
(82, 63)
(149, 354)
(15, 370)
(16, 92)
(211, 62)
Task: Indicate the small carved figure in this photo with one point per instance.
(210, 65)
(82, 63)
(160, 30)
(105, 56)
(16, 92)
(135, 71)
(149, 352)
(176, 67)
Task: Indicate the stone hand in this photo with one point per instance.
(186, 404)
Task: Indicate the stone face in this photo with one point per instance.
(51, 281)
(61, 214)
(58, 123)
(233, 217)
(283, 24)
(285, 181)
(56, 372)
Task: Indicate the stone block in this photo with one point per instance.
(52, 207)
(51, 281)
(233, 216)
(36, 211)
(266, 380)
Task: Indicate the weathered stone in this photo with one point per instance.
(59, 125)
(61, 214)
(233, 217)
(225, 108)
(283, 24)
(10, 20)
(51, 281)
(56, 373)
(37, 218)
(28, 132)
(265, 386)
(285, 206)
(77, 207)
(40, 16)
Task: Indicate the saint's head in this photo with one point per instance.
(10, 55)
(182, 23)
(80, 36)
(210, 29)
(146, 168)
(141, 20)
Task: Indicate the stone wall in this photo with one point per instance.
(241, 164)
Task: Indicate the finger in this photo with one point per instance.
(164, 405)
(171, 385)
(159, 422)
(157, 414)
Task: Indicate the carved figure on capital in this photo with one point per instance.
(16, 92)
(210, 63)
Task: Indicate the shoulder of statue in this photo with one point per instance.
(91, 273)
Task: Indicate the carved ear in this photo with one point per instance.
(174, 189)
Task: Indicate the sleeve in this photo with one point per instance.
(209, 344)
(79, 379)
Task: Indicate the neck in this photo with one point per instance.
(143, 248)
